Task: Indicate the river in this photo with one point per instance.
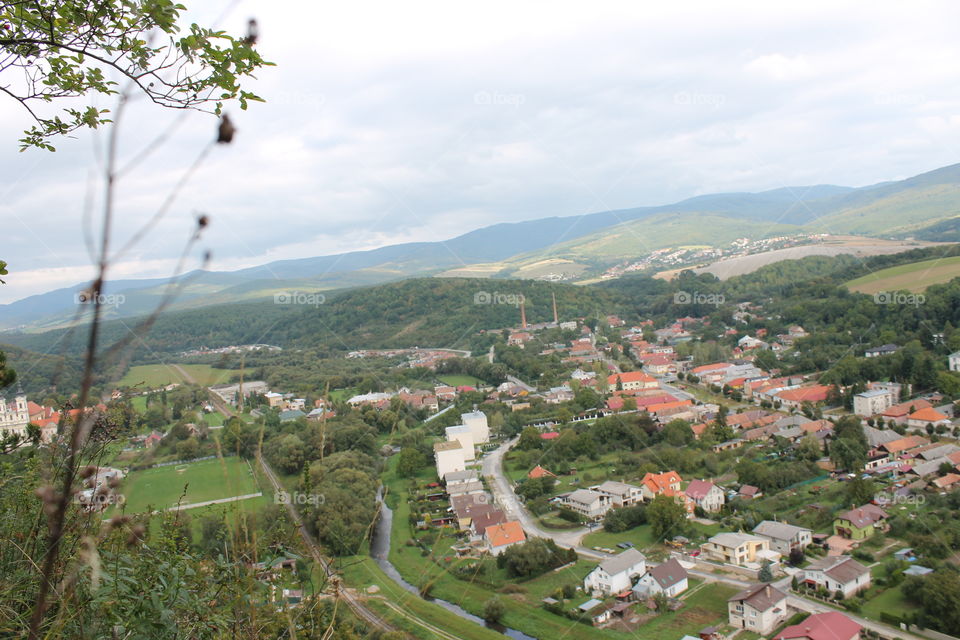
(380, 548)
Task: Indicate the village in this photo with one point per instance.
(765, 528)
(800, 561)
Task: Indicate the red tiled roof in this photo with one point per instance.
(927, 414)
(831, 625)
(504, 533)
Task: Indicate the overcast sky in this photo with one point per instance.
(389, 122)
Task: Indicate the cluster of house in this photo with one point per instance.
(615, 583)
(881, 401)
(763, 607)
(595, 502)
(627, 578)
(912, 458)
(415, 399)
(17, 415)
(473, 507)
(415, 357)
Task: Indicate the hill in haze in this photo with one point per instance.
(575, 247)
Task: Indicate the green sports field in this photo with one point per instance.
(161, 487)
(914, 277)
(460, 380)
(152, 376)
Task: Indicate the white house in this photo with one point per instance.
(448, 457)
(954, 360)
(760, 609)
(621, 493)
(615, 574)
(784, 537)
(668, 578)
(837, 573)
(477, 421)
(706, 495)
(463, 435)
(591, 504)
(741, 549)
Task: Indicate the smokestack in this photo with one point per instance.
(523, 316)
(556, 319)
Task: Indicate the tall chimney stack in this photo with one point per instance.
(556, 319)
(523, 316)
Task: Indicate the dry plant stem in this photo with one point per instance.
(85, 421)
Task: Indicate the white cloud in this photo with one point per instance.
(434, 119)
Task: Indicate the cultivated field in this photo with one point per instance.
(162, 487)
(863, 247)
(152, 376)
(915, 276)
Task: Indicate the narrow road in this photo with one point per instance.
(350, 598)
(197, 505)
(503, 495)
(520, 383)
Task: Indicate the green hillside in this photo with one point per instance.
(914, 277)
(635, 239)
(900, 212)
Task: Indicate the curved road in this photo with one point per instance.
(503, 495)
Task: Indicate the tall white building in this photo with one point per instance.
(448, 457)
(14, 417)
(477, 421)
(461, 433)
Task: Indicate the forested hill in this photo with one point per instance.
(429, 312)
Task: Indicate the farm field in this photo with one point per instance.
(152, 376)
(161, 487)
(913, 277)
(457, 380)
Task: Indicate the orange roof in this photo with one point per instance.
(505, 533)
(660, 482)
(630, 376)
(539, 472)
(709, 367)
(905, 443)
(699, 428)
(927, 415)
(815, 393)
(904, 408)
(663, 406)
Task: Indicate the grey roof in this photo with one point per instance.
(923, 469)
(877, 437)
(622, 561)
(917, 570)
(939, 452)
(734, 540)
(668, 573)
(615, 488)
(778, 530)
(465, 487)
(792, 421)
(789, 433)
(590, 604)
(873, 393)
(583, 496)
(843, 569)
(460, 476)
(761, 597)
